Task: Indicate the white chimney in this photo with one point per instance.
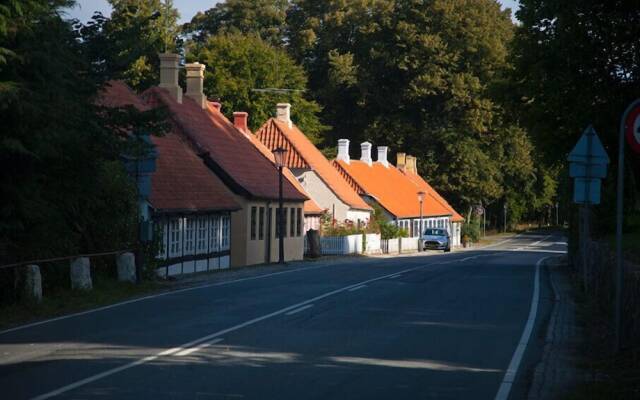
(169, 75)
(283, 113)
(365, 156)
(382, 156)
(343, 150)
(195, 81)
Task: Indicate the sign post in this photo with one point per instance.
(587, 165)
(629, 127)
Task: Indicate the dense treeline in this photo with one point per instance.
(64, 188)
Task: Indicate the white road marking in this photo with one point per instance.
(512, 370)
(214, 335)
(198, 348)
(153, 296)
(299, 309)
(357, 288)
(250, 322)
(540, 241)
(395, 276)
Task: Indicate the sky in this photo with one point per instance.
(187, 8)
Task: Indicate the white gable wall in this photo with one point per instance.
(323, 195)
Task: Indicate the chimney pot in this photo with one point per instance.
(283, 113)
(343, 150)
(411, 165)
(365, 155)
(169, 75)
(382, 156)
(401, 160)
(195, 82)
(240, 121)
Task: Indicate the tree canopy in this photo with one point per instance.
(238, 64)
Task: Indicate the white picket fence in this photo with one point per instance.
(353, 244)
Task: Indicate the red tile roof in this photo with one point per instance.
(392, 189)
(424, 185)
(181, 183)
(310, 206)
(240, 165)
(301, 153)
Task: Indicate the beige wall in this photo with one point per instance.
(247, 251)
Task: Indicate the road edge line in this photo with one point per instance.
(516, 359)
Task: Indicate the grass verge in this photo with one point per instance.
(66, 301)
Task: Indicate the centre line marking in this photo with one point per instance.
(512, 370)
(357, 288)
(214, 335)
(198, 348)
(395, 276)
(299, 309)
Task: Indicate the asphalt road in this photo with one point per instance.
(438, 326)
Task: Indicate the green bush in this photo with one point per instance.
(471, 230)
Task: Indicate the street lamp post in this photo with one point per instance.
(505, 216)
(557, 220)
(278, 154)
(420, 199)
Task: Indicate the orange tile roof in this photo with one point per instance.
(301, 153)
(310, 206)
(392, 189)
(181, 182)
(424, 185)
(239, 164)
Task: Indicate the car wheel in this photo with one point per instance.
(448, 249)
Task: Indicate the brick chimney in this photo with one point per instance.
(283, 113)
(382, 156)
(365, 154)
(401, 159)
(343, 150)
(169, 75)
(411, 165)
(195, 81)
(240, 121)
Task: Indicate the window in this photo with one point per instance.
(202, 234)
(261, 224)
(225, 233)
(190, 235)
(299, 221)
(174, 237)
(214, 234)
(254, 216)
(292, 222)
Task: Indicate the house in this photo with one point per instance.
(395, 189)
(312, 211)
(251, 177)
(320, 180)
(188, 204)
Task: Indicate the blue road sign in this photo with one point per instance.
(588, 164)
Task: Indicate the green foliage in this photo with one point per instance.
(266, 18)
(64, 189)
(237, 64)
(471, 230)
(419, 77)
(126, 45)
(576, 63)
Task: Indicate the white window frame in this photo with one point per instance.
(175, 237)
(225, 235)
(201, 233)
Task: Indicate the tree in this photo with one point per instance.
(126, 45)
(416, 75)
(238, 64)
(265, 18)
(64, 189)
(577, 63)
